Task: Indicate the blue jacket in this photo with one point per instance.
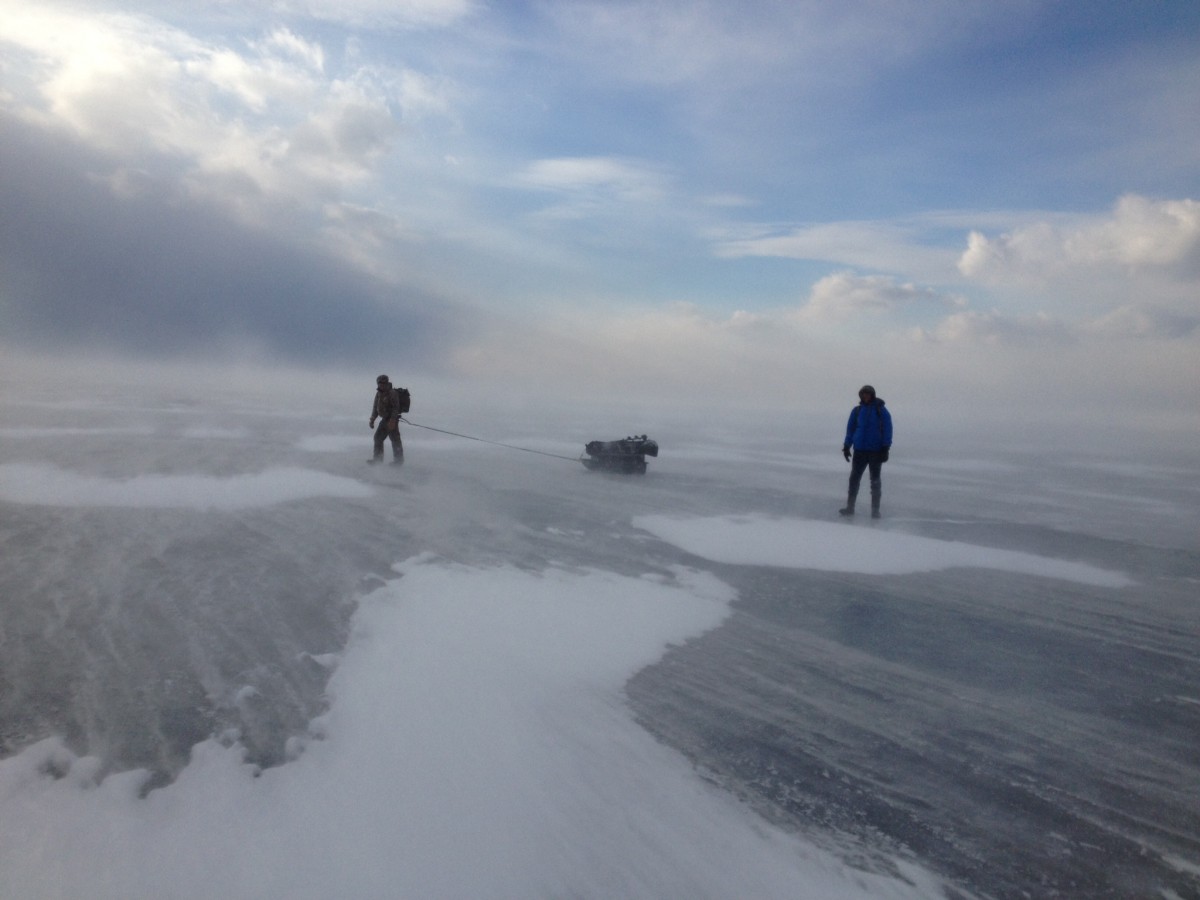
(869, 427)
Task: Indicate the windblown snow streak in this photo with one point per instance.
(47, 486)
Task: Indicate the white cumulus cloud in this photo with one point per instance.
(249, 121)
(1140, 234)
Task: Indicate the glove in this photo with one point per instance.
(371, 424)
(884, 454)
(846, 451)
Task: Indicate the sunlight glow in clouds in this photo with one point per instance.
(264, 111)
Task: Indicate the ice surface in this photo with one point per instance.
(235, 660)
(476, 746)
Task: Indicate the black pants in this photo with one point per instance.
(864, 460)
(382, 432)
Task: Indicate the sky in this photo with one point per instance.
(981, 208)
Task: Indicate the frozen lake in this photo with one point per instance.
(237, 661)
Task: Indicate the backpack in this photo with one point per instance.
(405, 399)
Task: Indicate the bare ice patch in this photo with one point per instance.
(758, 540)
(36, 485)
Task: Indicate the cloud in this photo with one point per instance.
(312, 190)
(169, 194)
(666, 42)
(282, 69)
(982, 367)
(149, 269)
(382, 13)
(586, 185)
(993, 327)
(1124, 323)
(744, 359)
(676, 351)
(1131, 274)
(845, 295)
(1140, 235)
(109, 76)
(255, 123)
(904, 246)
(1150, 322)
(810, 42)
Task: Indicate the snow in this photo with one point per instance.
(41, 485)
(477, 746)
(330, 443)
(759, 540)
(476, 735)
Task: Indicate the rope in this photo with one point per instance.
(485, 441)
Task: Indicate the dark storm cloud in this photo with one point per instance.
(151, 273)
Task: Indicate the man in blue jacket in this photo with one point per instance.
(869, 433)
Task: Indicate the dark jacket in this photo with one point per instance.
(869, 427)
(387, 404)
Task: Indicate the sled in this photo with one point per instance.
(627, 456)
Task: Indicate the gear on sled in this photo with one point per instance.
(627, 456)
